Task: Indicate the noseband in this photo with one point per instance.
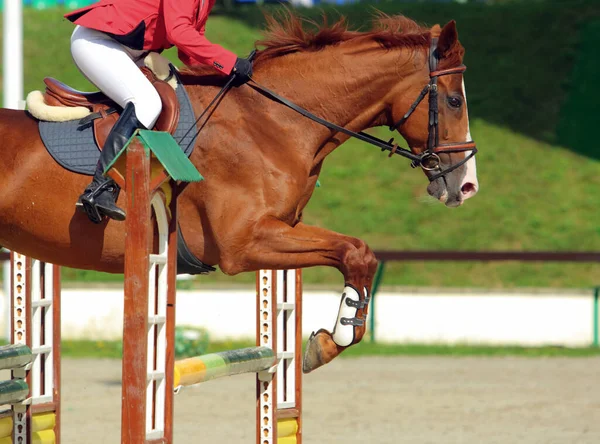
(429, 159)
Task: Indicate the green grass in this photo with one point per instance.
(113, 349)
(535, 193)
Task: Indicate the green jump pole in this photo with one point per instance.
(199, 369)
(376, 283)
(595, 317)
(13, 391)
(15, 356)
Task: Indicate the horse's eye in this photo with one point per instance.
(455, 102)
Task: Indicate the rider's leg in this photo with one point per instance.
(99, 197)
(112, 68)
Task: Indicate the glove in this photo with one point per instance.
(242, 70)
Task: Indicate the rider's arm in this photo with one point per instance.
(194, 47)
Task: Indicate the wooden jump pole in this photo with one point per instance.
(149, 170)
(276, 359)
(279, 327)
(34, 355)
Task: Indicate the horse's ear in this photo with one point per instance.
(448, 38)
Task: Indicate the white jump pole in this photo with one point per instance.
(279, 327)
(12, 55)
(12, 88)
(7, 295)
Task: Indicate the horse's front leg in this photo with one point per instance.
(276, 245)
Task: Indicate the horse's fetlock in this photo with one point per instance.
(359, 332)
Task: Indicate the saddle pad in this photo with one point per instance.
(74, 148)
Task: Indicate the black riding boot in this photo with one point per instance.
(100, 196)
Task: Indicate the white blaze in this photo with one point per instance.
(471, 166)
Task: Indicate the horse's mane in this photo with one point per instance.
(289, 33)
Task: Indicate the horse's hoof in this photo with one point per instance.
(320, 349)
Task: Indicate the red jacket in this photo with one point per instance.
(157, 25)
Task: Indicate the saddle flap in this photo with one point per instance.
(103, 124)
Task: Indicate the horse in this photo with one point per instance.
(261, 160)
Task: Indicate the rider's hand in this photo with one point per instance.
(242, 70)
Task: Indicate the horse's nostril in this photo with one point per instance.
(468, 188)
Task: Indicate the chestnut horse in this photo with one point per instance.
(261, 160)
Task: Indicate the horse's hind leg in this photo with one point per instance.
(277, 245)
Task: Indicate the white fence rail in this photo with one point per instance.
(525, 317)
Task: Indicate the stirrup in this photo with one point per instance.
(88, 200)
(92, 211)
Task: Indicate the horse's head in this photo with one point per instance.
(439, 127)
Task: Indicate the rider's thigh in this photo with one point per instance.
(112, 68)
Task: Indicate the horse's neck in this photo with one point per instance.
(346, 85)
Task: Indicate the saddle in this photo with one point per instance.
(105, 112)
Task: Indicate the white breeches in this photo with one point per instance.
(114, 69)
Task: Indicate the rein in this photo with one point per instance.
(428, 159)
(385, 146)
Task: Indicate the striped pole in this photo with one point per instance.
(279, 326)
(228, 363)
(34, 355)
(15, 355)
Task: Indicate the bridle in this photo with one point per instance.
(428, 159)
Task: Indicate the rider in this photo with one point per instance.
(110, 42)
